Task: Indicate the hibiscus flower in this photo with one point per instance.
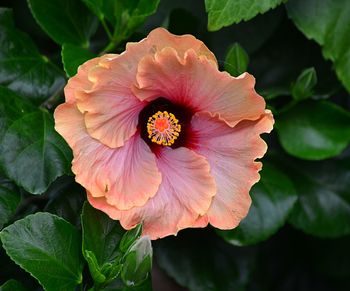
(161, 137)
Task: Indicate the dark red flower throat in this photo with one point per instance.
(163, 123)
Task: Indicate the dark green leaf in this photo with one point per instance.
(129, 237)
(226, 12)
(323, 206)
(12, 285)
(237, 60)
(101, 237)
(130, 15)
(145, 286)
(32, 154)
(327, 22)
(201, 261)
(314, 130)
(73, 56)
(273, 199)
(103, 9)
(48, 248)
(65, 21)
(112, 271)
(9, 200)
(303, 87)
(66, 199)
(118, 285)
(138, 262)
(274, 92)
(22, 68)
(94, 267)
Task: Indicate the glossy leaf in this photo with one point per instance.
(201, 261)
(273, 199)
(32, 154)
(103, 9)
(48, 248)
(130, 237)
(12, 285)
(9, 200)
(327, 22)
(323, 206)
(22, 68)
(65, 21)
(118, 285)
(304, 85)
(124, 16)
(314, 130)
(237, 60)
(73, 56)
(274, 92)
(101, 237)
(66, 199)
(94, 267)
(226, 12)
(130, 15)
(137, 262)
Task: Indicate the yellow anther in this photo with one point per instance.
(163, 128)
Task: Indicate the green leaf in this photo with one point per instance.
(103, 9)
(12, 285)
(129, 15)
(32, 154)
(145, 286)
(101, 237)
(273, 199)
(237, 60)
(118, 285)
(303, 87)
(226, 12)
(327, 22)
(323, 206)
(65, 21)
(200, 260)
(274, 92)
(9, 200)
(129, 238)
(48, 247)
(94, 268)
(66, 199)
(137, 262)
(22, 68)
(124, 16)
(73, 56)
(314, 130)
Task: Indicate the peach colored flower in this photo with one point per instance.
(161, 136)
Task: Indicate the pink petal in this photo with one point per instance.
(160, 38)
(111, 110)
(231, 153)
(102, 86)
(185, 193)
(127, 176)
(80, 81)
(194, 82)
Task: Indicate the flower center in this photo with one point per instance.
(163, 128)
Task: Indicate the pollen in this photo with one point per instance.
(163, 128)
